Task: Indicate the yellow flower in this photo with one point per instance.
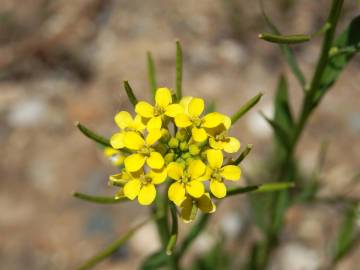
(217, 173)
(114, 156)
(219, 138)
(142, 185)
(192, 119)
(144, 151)
(126, 123)
(186, 180)
(163, 107)
(120, 179)
(190, 206)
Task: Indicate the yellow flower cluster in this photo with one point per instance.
(190, 159)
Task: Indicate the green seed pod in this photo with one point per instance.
(173, 143)
(184, 146)
(194, 149)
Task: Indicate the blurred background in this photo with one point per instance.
(63, 61)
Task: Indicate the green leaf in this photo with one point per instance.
(151, 74)
(348, 43)
(285, 50)
(92, 135)
(281, 134)
(179, 70)
(245, 108)
(283, 115)
(347, 234)
(155, 261)
(130, 93)
(112, 248)
(99, 199)
(282, 39)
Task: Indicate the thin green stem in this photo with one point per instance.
(112, 248)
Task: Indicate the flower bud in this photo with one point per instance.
(184, 146)
(169, 157)
(194, 149)
(182, 135)
(165, 135)
(173, 142)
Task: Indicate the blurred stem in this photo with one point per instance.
(308, 106)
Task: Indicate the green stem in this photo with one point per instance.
(112, 248)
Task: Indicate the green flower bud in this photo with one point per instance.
(173, 142)
(194, 149)
(184, 146)
(182, 135)
(165, 135)
(185, 155)
(169, 157)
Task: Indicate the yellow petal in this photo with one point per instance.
(138, 123)
(134, 162)
(154, 123)
(176, 193)
(147, 194)
(144, 109)
(173, 110)
(117, 140)
(132, 188)
(158, 176)
(155, 160)
(185, 101)
(196, 168)
(195, 188)
(153, 136)
(218, 189)
(205, 204)
(231, 172)
(215, 158)
(163, 97)
(232, 146)
(219, 145)
(212, 120)
(109, 151)
(133, 140)
(175, 170)
(196, 106)
(117, 159)
(226, 121)
(123, 119)
(199, 134)
(206, 175)
(182, 120)
(187, 208)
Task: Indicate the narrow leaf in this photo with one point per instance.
(245, 108)
(99, 199)
(347, 234)
(285, 50)
(283, 115)
(112, 248)
(179, 70)
(280, 133)
(155, 261)
(92, 135)
(151, 74)
(282, 39)
(130, 93)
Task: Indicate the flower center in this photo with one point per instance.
(196, 121)
(216, 174)
(145, 151)
(184, 178)
(145, 180)
(221, 136)
(158, 110)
